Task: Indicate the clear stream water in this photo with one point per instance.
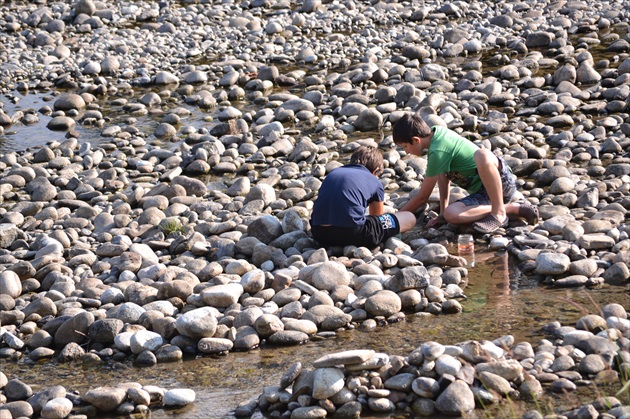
(21, 137)
(499, 302)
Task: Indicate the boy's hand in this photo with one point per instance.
(436, 222)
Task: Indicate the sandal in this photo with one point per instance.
(489, 224)
(529, 212)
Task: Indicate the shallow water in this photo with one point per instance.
(499, 302)
(495, 306)
(19, 137)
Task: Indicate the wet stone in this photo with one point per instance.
(562, 385)
(178, 397)
(288, 338)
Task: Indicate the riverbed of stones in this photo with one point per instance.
(192, 237)
(452, 380)
(57, 402)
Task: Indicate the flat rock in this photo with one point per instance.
(105, 399)
(357, 356)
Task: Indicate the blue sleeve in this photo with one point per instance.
(379, 194)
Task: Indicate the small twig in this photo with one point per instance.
(576, 305)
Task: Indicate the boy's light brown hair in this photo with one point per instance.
(369, 157)
(408, 126)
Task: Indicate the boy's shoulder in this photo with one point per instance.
(354, 166)
(358, 171)
(437, 130)
(350, 170)
(440, 133)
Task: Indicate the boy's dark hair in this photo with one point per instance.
(369, 157)
(408, 126)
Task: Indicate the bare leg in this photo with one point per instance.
(488, 169)
(406, 220)
(458, 213)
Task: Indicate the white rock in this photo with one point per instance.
(253, 281)
(145, 340)
(447, 364)
(222, 296)
(198, 323)
(179, 397)
(57, 408)
(618, 323)
(10, 284)
(327, 382)
(123, 341)
(149, 258)
(499, 243)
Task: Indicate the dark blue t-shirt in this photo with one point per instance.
(344, 195)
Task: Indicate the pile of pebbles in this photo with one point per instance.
(19, 400)
(453, 380)
(281, 86)
(193, 238)
(121, 263)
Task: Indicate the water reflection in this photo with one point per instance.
(20, 137)
(491, 289)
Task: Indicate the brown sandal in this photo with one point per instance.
(489, 224)
(529, 212)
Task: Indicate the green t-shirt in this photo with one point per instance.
(453, 155)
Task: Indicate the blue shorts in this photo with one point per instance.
(508, 184)
(375, 230)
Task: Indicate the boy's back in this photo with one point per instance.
(338, 217)
(453, 155)
(344, 196)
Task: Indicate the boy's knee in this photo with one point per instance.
(406, 220)
(451, 215)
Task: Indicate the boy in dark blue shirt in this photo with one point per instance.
(339, 212)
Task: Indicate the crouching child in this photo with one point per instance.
(451, 158)
(339, 213)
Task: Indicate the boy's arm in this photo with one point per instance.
(445, 191)
(422, 196)
(376, 208)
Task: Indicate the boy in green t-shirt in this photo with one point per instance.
(450, 157)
